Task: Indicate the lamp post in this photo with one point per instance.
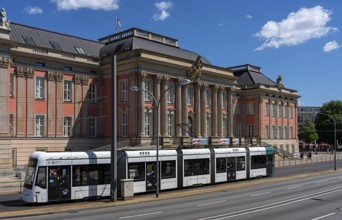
(157, 104)
(335, 147)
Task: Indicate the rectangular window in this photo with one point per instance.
(273, 133)
(280, 110)
(237, 130)
(91, 174)
(291, 133)
(39, 87)
(11, 85)
(207, 97)
(224, 100)
(67, 126)
(67, 90)
(92, 127)
(286, 132)
(250, 110)
(136, 171)
(79, 50)
(168, 169)
(92, 96)
(67, 68)
(170, 122)
(274, 110)
(267, 131)
(29, 40)
(149, 89)
(39, 131)
(267, 109)
(280, 132)
(194, 167)
(123, 124)
(208, 125)
(123, 90)
(40, 64)
(55, 45)
(237, 108)
(170, 93)
(190, 95)
(221, 165)
(290, 112)
(11, 124)
(147, 123)
(285, 111)
(241, 163)
(250, 131)
(258, 162)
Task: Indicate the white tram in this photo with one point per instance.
(79, 175)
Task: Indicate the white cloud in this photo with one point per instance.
(106, 5)
(163, 8)
(297, 28)
(249, 16)
(33, 10)
(330, 46)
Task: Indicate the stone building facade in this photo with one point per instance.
(56, 96)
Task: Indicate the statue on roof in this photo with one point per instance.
(4, 23)
(279, 83)
(195, 71)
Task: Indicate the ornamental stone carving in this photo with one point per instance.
(4, 23)
(29, 73)
(20, 72)
(77, 79)
(85, 80)
(5, 61)
(59, 77)
(50, 76)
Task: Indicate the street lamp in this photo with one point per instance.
(157, 104)
(335, 147)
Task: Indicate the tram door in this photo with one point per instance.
(269, 165)
(231, 168)
(59, 183)
(151, 170)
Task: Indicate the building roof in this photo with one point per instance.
(135, 39)
(23, 34)
(249, 75)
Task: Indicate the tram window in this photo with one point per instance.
(92, 174)
(241, 163)
(258, 162)
(136, 171)
(41, 177)
(196, 167)
(168, 169)
(31, 169)
(221, 165)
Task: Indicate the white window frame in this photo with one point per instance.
(280, 132)
(291, 132)
(92, 131)
(208, 97)
(267, 131)
(123, 90)
(11, 85)
(67, 90)
(148, 123)
(170, 123)
(208, 125)
(92, 96)
(67, 128)
(190, 94)
(148, 87)
(250, 109)
(224, 100)
(170, 93)
(273, 132)
(267, 108)
(39, 125)
(124, 123)
(237, 130)
(40, 87)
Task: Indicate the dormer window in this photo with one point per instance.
(29, 40)
(55, 45)
(79, 50)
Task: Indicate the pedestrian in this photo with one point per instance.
(301, 156)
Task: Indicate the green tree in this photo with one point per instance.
(325, 125)
(307, 132)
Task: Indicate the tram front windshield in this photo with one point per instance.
(30, 172)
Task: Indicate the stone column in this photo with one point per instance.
(197, 105)
(164, 107)
(214, 111)
(219, 112)
(59, 103)
(85, 89)
(30, 95)
(4, 84)
(51, 104)
(78, 104)
(178, 109)
(141, 106)
(157, 82)
(185, 107)
(203, 111)
(230, 108)
(21, 101)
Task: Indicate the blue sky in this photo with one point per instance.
(301, 40)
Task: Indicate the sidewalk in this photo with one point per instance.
(9, 185)
(316, 158)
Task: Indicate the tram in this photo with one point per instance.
(62, 176)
